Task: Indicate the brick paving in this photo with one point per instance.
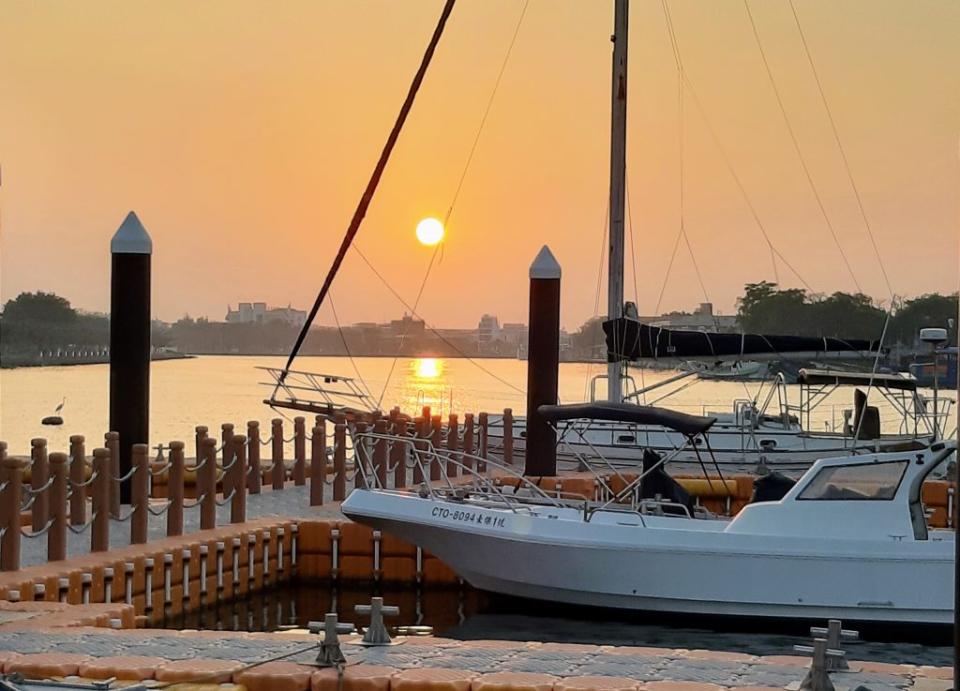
(429, 653)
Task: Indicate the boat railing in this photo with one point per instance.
(314, 392)
(445, 473)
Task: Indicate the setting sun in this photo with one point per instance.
(430, 231)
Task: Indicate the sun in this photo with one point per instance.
(430, 232)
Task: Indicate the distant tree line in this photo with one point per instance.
(765, 308)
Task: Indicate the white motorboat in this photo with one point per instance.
(849, 540)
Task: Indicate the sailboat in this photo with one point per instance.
(849, 540)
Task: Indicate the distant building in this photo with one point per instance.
(259, 313)
(488, 330)
(407, 326)
(703, 318)
(514, 333)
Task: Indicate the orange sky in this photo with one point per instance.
(242, 133)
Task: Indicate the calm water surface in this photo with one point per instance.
(216, 389)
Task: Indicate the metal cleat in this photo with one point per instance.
(376, 633)
(330, 654)
(835, 633)
(818, 678)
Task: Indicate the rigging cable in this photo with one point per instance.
(728, 163)
(797, 149)
(430, 327)
(840, 148)
(456, 193)
(682, 157)
(372, 184)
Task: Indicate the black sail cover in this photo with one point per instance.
(628, 339)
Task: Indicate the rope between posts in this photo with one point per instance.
(196, 502)
(38, 490)
(196, 467)
(159, 512)
(124, 478)
(83, 528)
(124, 519)
(226, 499)
(266, 442)
(3, 486)
(162, 469)
(227, 466)
(37, 533)
(27, 504)
(93, 476)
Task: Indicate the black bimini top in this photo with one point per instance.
(840, 378)
(628, 412)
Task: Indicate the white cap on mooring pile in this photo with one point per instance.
(545, 265)
(131, 237)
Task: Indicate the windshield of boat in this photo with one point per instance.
(866, 481)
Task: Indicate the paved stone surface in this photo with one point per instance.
(248, 649)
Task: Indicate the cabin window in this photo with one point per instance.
(866, 481)
(626, 439)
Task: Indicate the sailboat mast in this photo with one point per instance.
(618, 166)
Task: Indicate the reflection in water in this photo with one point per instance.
(299, 604)
(426, 385)
(426, 368)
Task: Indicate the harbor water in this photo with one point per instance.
(211, 390)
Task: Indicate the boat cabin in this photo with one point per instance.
(859, 497)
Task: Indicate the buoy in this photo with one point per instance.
(52, 420)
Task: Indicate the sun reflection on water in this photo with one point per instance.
(427, 368)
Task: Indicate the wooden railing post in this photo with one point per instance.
(140, 494)
(453, 445)
(361, 461)
(100, 530)
(436, 438)
(508, 436)
(112, 441)
(398, 453)
(57, 535)
(484, 429)
(318, 462)
(201, 434)
(78, 475)
(380, 452)
(339, 461)
(279, 469)
(238, 505)
(208, 488)
(39, 475)
(10, 498)
(468, 439)
(175, 490)
(299, 451)
(419, 431)
(225, 479)
(254, 478)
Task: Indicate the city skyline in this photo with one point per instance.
(244, 165)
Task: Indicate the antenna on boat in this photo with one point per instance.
(618, 166)
(371, 187)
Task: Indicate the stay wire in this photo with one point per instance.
(841, 148)
(797, 149)
(681, 142)
(724, 156)
(430, 327)
(372, 184)
(463, 177)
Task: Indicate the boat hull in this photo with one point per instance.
(664, 569)
(731, 445)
